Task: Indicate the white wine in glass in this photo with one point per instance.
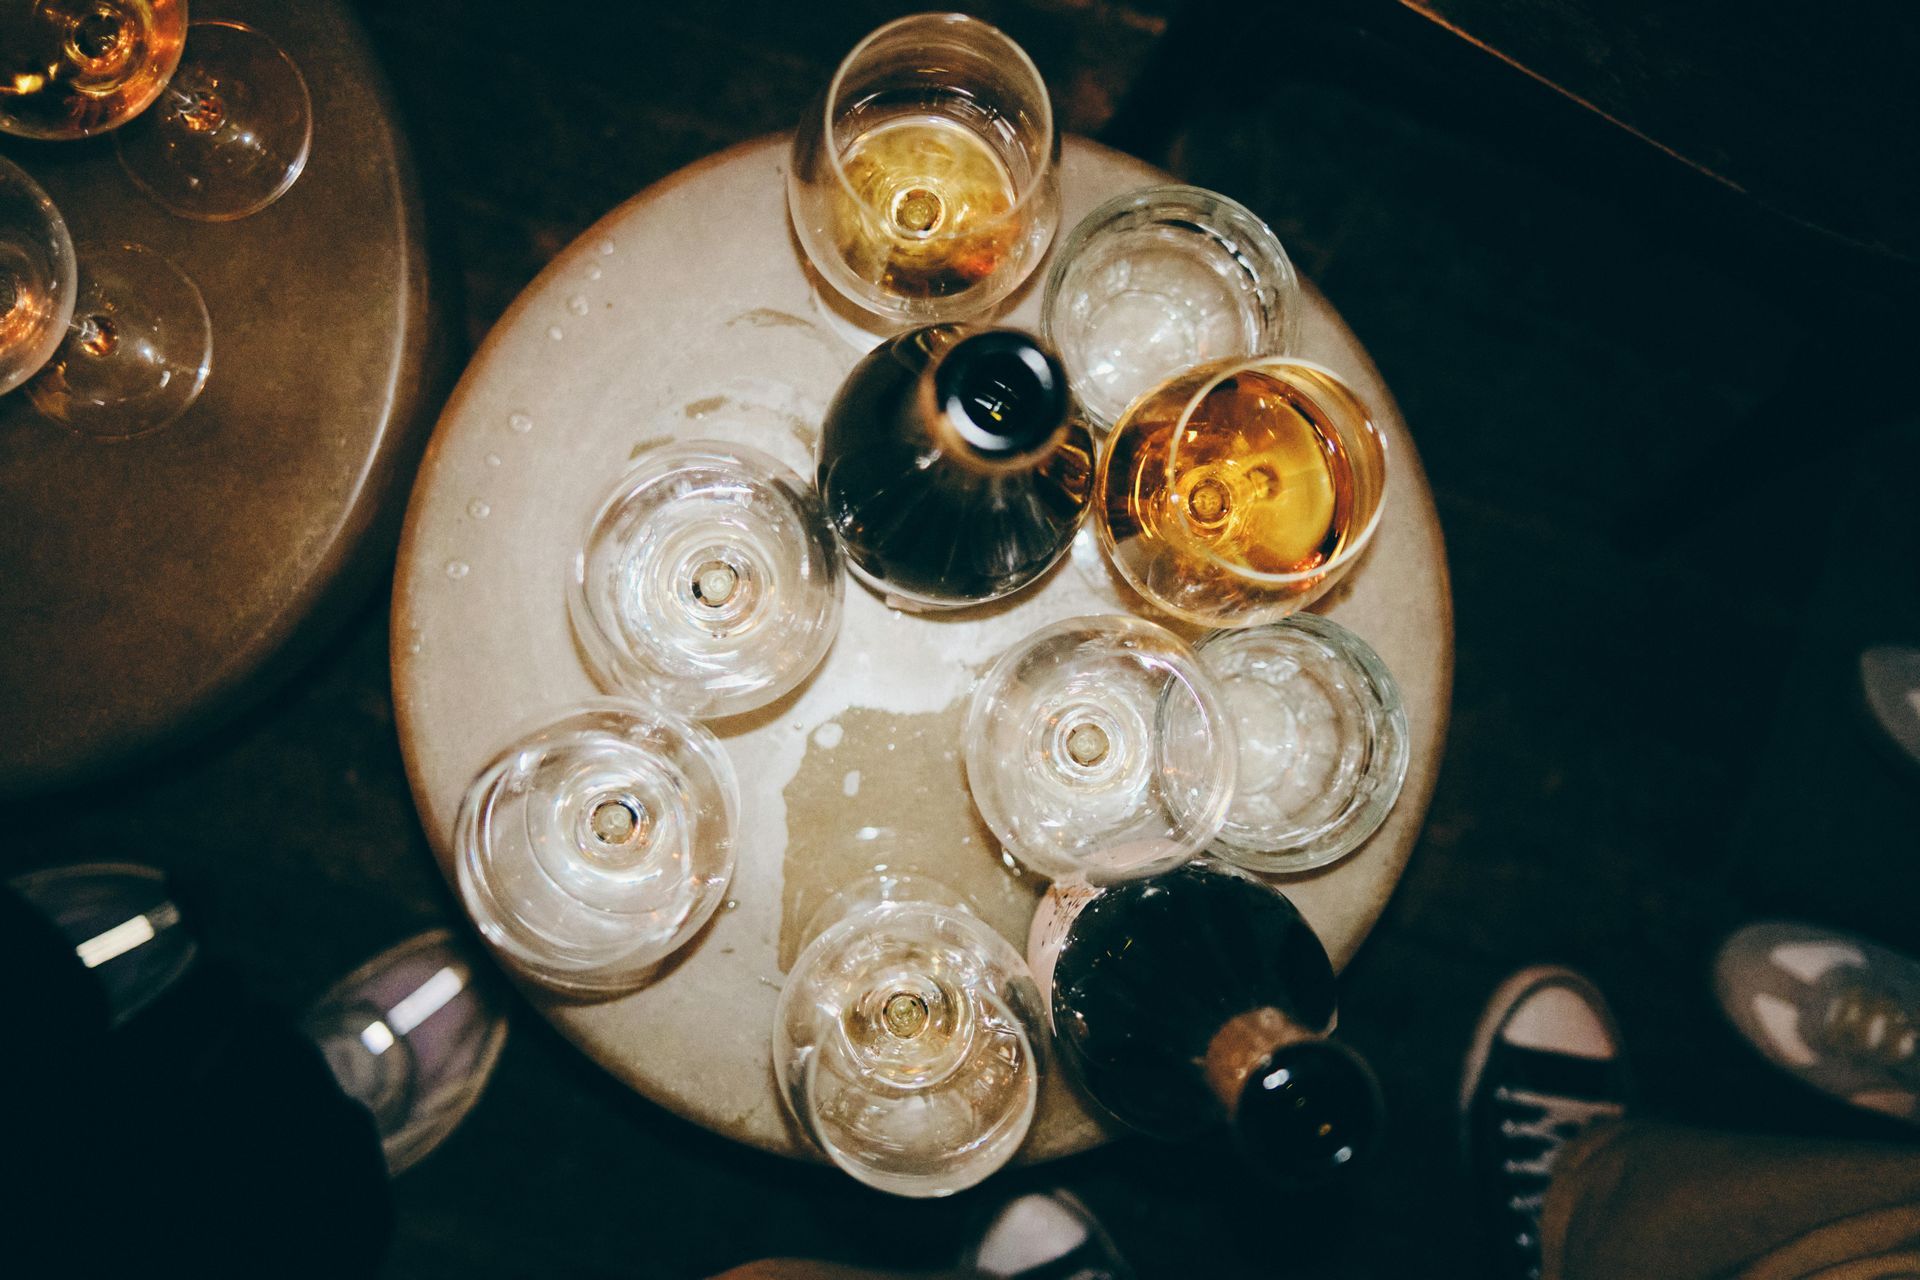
(75, 68)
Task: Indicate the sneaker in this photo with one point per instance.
(1890, 677)
(1545, 1067)
(1048, 1236)
(1834, 1010)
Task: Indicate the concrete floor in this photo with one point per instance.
(1656, 731)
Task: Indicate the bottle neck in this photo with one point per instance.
(999, 400)
(1243, 1046)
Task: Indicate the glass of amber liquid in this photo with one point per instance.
(923, 184)
(1238, 492)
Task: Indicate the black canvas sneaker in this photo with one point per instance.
(1050, 1236)
(1545, 1067)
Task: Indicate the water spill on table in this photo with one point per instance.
(909, 813)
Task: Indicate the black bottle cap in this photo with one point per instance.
(1311, 1111)
(1005, 394)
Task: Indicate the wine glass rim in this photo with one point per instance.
(1355, 546)
(985, 30)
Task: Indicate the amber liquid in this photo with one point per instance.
(936, 203)
(1261, 483)
(73, 68)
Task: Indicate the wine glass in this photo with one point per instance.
(230, 134)
(707, 580)
(1100, 747)
(902, 1041)
(596, 845)
(1323, 741)
(922, 185)
(1236, 493)
(74, 68)
(413, 1035)
(1154, 282)
(123, 924)
(118, 336)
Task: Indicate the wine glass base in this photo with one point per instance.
(1322, 742)
(138, 350)
(231, 133)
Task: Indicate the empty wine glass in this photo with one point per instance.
(707, 580)
(124, 926)
(1157, 281)
(413, 1034)
(922, 185)
(231, 131)
(1236, 493)
(74, 68)
(1322, 741)
(902, 1041)
(594, 846)
(1100, 747)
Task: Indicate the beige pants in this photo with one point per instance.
(1639, 1201)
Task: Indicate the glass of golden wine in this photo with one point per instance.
(73, 68)
(1238, 492)
(923, 184)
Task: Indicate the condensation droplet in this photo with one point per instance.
(493, 459)
(850, 785)
(520, 422)
(414, 640)
(456, 569)
(478, 509)
(829, 734)
(733, 904)
(555, 333)
(577, 304)
(606, 248)
(594, 273)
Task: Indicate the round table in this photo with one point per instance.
(688, 312)
(151, 584)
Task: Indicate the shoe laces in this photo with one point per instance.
(1873, 1025)
(1542, 1123)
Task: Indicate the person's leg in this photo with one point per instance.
(1639, 1199)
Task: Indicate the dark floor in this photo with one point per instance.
(1660, 601)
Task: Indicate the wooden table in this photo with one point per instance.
(687, 312)
(150, 585)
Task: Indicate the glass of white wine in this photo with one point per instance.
(112, 340)
(923, 184)
(74, 68)
(903, 1041)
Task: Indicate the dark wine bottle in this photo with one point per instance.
(1200, 996)
(952, 469)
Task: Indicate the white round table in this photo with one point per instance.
(688, 312)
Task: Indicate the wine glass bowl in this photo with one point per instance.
(902, 1045)
(923, 184)
(1322, 737)
(1237, 493)
(595, 846)
(1099, 747)
(413, 1035)
(707, 579)
(39, 279)
(1157, 281)
(74, 68)
(124, 926)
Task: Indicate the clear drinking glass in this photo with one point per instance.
(1322, 741)
(413, 1034)
(903, 1039)
(707, 580)
(74, 68)
(118, 337)
(594, 847)
(1236, 493)
(123, 924)
(1157, 281)
(230, 134)
(1100, 747)
(922, 185)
